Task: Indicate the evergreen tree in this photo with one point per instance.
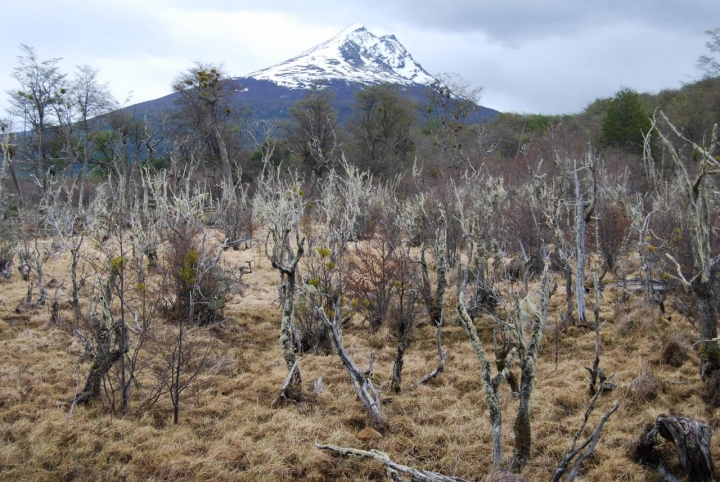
(625, 122)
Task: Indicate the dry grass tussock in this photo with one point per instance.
(229, 431)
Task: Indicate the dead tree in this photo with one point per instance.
(650, 246)
(471, 202)
(62, 218)
(279, 205)
(288, 341)
(491, 385)
(700, 196)
(33, 258)
(583, 214)
(333, 319)
(7, 151)
(434, 301)
(598, 378)
(692, 442)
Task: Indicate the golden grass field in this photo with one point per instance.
(228, 430)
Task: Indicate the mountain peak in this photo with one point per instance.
(352, 55)
(348, 30)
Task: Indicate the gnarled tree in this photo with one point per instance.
(279, 205)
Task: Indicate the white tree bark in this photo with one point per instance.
(580, 249)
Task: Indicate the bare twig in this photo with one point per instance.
(74, 400)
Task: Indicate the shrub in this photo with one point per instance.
(314, 335)
(645, 386)
(675, 351)
(7, 256)
(372, 278)
(200, 286)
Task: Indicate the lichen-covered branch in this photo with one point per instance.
(528, 360)
(490, 385)
(441, 353)
(364, 388)
(392, 469)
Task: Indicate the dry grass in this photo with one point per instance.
(229, 431)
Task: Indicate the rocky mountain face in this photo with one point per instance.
(353, 56)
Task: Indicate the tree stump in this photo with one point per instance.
(692, 442)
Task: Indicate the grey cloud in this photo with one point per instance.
(509, 20)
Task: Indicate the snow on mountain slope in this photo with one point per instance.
(353, 55)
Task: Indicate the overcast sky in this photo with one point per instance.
(552, 56)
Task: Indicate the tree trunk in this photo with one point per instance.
(109, 350)
(521, 428)
(580, 246)
(83, 174)
(16, 183)
(224, 158)
(287, 338)
(490, 387)
(75, 284)
(3, 162)
(101, 365)
(709, 349)
(567, 272)
(40, 274)
(392, 468)
(405, 326)
(441, 353)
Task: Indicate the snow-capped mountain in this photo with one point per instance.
(353, 55)
(345, 64)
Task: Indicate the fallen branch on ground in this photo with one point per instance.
(392, 469)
